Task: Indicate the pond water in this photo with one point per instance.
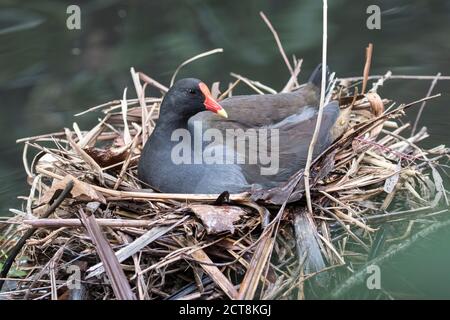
(49, 73)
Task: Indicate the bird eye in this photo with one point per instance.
(192, 91)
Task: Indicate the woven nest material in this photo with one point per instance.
(87, 218)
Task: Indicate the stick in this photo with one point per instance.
(253, 84)
(128, 159)
(76, 223)
(403, 77)
(320, 113)
(25, 161)
(293, 79)
(419, 114)
(214, 272)
(230, 88)
(86, 157)
(140, 92)
(369, 51)
(116, 275)
(201, 55)
(277, 40)
(126, 129)
(111, 105)
(152, 82)
(307, 245)
(48, 135)
(149, 195)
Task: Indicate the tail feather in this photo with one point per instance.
(316, 75)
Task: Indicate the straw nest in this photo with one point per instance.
(87, 218)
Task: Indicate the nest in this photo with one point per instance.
(88, 231)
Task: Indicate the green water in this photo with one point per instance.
(48, 73)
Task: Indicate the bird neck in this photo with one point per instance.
(165, 126)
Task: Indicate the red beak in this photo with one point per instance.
(210, 103)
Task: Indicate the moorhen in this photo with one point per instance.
(177, 156)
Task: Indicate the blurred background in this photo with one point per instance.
(48, 73)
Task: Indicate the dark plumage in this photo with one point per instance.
(292, 115)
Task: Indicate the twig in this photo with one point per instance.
(33, 138)
(140, 92)
(215, 274)
(86, 157)
(307, 246)
(76, 223)
(152, 196)
(152, 82)
(247, 82)
(320, 112)
(25, 161)
(369, 51)
(126, 130)
(116, 275)
(277, 40)
(128, 159)
(293, 78)
(263, 251)
(111, 104)
(230, 88)
(201, 55)
(93, 133)
(381, 81)
(403, 77)
(36, 180)
(47, 266)
(419, 114)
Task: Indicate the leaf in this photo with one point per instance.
(81, 191)
(216, 275)
(107, 157)
(439, 183)
(377, 107)
(437, 180)
(217, 219)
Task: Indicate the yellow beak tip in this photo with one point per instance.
(222, 113)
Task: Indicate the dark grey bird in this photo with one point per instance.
(281, 124)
